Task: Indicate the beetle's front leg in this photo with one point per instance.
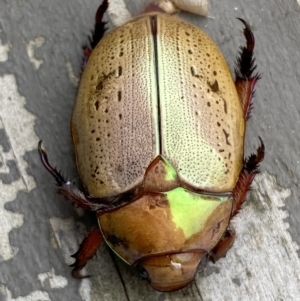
(245, 80)
(87, 250)
(223, 245)
(247, 175)
(68, 189)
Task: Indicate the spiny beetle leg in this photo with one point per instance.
(98, 32)
(245, 80)
(87, 250)
(68, 189)
(248, 173)
(225, 243)
(250, 169)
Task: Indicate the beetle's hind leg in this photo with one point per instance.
(87, 251)
(98, 32)
(247, 175)
(245, 80)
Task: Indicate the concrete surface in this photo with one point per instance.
(40, 57)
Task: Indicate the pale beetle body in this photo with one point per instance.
(158, 129)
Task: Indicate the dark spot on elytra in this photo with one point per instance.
(193, 71)
(119, 95)
(119, 72)
(214, 86)
(225, 106)
(103, 78)
(99, 86)
(226, 137)
(97, 104)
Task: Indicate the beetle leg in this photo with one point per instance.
(225, 243)
(69, 190)
(98, 33)
(245, 80)
(247, 175)
(87, 250)
(250, 169)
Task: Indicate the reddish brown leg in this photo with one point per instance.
(98, 33)
(87, 250)
(250, 169)
(245, 80)
(247, 175)
(223, 245)
(76, 196)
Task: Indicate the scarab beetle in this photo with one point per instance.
(158, 128)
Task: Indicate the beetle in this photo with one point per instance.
(158, 128)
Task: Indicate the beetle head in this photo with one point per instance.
(170, 272)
